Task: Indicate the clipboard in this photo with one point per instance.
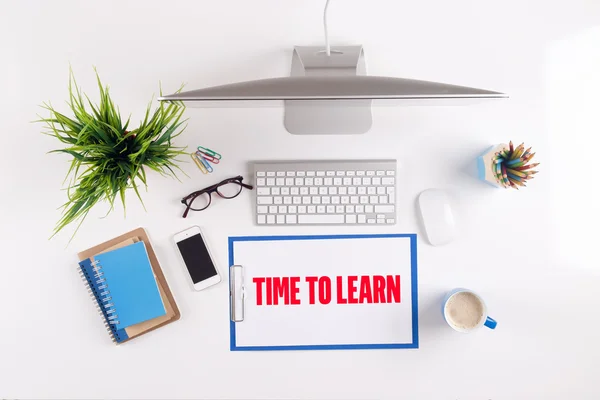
(348, 317)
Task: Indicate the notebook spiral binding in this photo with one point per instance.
(101, 298)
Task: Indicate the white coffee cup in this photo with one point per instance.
(465, 311)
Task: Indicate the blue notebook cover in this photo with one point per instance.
(126, 286)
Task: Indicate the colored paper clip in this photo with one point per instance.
(208, 157)
(206, 164)
(209, 152)
(199, 163)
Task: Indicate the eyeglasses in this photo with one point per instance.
(227, 189)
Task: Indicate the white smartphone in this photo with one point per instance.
(196, 258)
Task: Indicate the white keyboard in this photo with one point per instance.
(325, 192)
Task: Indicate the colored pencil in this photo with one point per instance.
(504, 175)
(526, 167)
(510, 145)
(517, 173)
(529, 157)
(516, 183)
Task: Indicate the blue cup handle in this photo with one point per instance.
(490, 323)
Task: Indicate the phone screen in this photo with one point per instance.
(196, 258)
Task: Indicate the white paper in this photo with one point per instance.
(331, 324)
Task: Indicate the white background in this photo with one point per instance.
(322, 324)
(532, 255)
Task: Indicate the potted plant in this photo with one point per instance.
(109, 156)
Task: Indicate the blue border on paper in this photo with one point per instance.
(414, 297)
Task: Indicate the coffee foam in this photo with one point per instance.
(464, 310)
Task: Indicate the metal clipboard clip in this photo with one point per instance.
(237, 292)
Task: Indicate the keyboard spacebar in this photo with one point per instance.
(320, 219)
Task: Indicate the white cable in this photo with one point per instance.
(327, 47)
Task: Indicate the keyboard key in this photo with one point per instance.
(384, 209)
(333, 190)
(282, 209)
(370, 173)
(270, 219)
(345, 200)
(372, 200)
(301, 209)
(275, 191)
(360, 209)
(380, 221)
(390, 221)
(260, 173)
(330, 173)
(260, 182)
(339, 209)
(309, 181)
(370, 221)
(294, 191)
(280, 173)
(291, 173)
(362, 190)
(314, 190)
(380, 190)
(280, 181)
(304, 191)
(310, 173)
(350, 209)
(270, 181)
(318, 181)
(292, 209)
(360, 173)
(325, 200)
(328, 181)
(285, 191)
(366, 181)
(368, 209)
(311, 209)
(316, 200)
(382, 216)
(263, 191)
(380, 173)
(337, 181)
(297, 200)
(353, 199)
(387, 181)
(364, 199)
(323, 190)
(281, 219)
(287, 200)
(352, 190)
(262, 219)
(347, 181)
(290, 182)
(335, 200)
(264, 200)
(277, 200)
(390, 173)
(321, 219)
(272, 209)
(320, 173)
(350, 219)
(356, 181)
(306, 200)
(350, 173)
(299, 182)
(290, 219)
(342, 190)
(321, 209)
(300, 173)
(339, 173)
(392, 198)
(330, 209)
(390, 190)
(376, 180)
(261, 209)
(371, 190)
(383, 199)
(271, 173)
(362, 219)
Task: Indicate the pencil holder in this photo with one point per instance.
(506, 166)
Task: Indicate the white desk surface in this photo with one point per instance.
(531, 254)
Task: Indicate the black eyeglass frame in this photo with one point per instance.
(189, 199)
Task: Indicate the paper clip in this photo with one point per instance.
(199, 163)
(206, 164)
(209, 152)
(208, 157)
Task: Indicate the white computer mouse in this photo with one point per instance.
(437, 216)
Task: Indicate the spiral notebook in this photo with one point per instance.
(124, 287)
